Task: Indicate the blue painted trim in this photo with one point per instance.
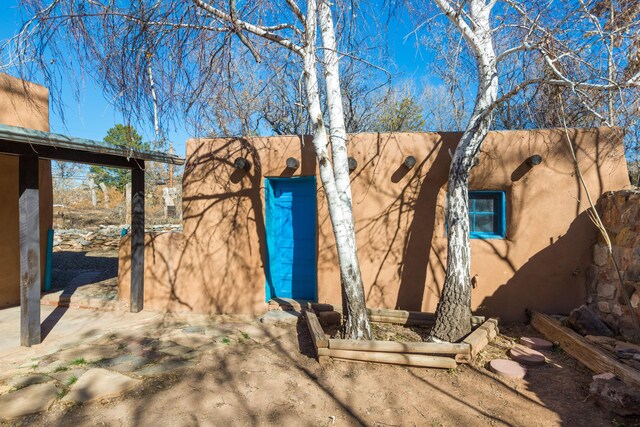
(501, 213)
(269, 212)
(48, 260)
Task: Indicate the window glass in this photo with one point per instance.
(484, 205)
(487, 217)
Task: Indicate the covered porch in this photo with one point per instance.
(31, 146)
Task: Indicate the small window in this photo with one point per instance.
(487, 216)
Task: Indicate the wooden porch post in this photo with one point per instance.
(137, 238)
(29, 212)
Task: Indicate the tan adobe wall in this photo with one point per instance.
(26, 105)
(216, 265)
(620, 213)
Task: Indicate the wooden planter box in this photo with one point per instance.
(419, 354)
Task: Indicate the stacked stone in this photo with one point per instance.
(620, 212)
(103, 237)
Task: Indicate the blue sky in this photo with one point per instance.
(92, 115)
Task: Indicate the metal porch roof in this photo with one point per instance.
(37, 138)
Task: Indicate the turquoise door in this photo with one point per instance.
(291, 237)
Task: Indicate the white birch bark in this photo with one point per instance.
(154, 98)
(341, 214)
(356, 320)
(334, 176)
(453, 314)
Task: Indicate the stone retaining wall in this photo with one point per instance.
(620, 212)
(104, 237)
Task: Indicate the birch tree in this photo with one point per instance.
(187, 45)
(578, 47)
(453, 314)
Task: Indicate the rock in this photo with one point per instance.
(604, 307)
(90, 353)
(617, 310)
(616, 396)
(177, 350)
(192, 340)
(635, 300)
(65, 376)
(625, 238)
(125, 363)
(99, 383)
(633, 273)
(163, 368)
(507, 368)
(606, 290)
(584, 321)
(28, 400)
(28, 380)
(194, 330)
(600, 255)
(278, 316)
(605, 376)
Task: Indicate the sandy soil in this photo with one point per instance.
(279, 383)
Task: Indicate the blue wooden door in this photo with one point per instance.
(291, 237)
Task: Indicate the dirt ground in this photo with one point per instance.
(241, 381)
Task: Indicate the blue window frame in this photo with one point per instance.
(487, 215)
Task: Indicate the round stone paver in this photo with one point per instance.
(507, 368)
(536, 343)
(527, 356)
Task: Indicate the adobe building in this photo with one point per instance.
(25, 105)
(258, 227)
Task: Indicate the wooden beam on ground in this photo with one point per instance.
(137, 239)
(482, 336)
(400, 347)
(586, 353)
(29, 219)
(402, 314)
(417, 360)
(317, 334)
(398, 317)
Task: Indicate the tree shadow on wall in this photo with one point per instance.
(409, 222)
(223, 220)
(534, 285)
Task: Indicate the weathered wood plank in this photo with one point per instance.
(137, 239)
(417, 360)
(323, 355)
(403, 314)
(29, 220)
(586, 353)
(482, 336)
(400, 320)
(317, 334)
(400, 347)
(398, 317)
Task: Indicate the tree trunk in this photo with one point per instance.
(453, 314)
(355, 314)
(341, 214)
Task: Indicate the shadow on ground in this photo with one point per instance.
(266, 375)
